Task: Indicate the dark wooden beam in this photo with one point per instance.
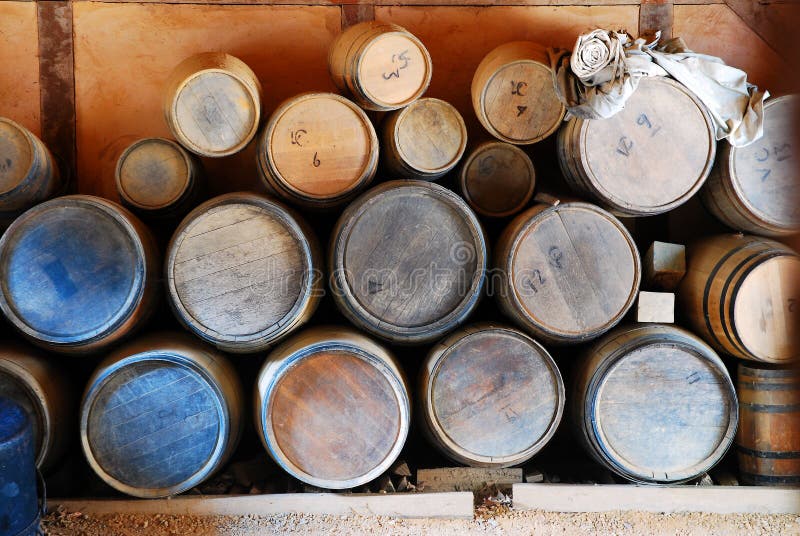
(655, 15)
(355, 13)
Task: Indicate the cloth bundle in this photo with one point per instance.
(599, 76)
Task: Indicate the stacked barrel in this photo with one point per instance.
(382, 234)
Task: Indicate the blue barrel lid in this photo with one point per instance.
(13, 420)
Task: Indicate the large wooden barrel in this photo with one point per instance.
(649, 158)
(318, 150)
(424, 140)
(78, 273)
(20, 508)
(243, 271)
(654, 404)
(28, 173)
(514, 96)
(34, 382)
(156, 177)
(160, 415)
(382, 66)
(213, 104)
(567, 273)
(332, 407)
(490, 396)
(497, 179)
(742, 295)
(407, 261)
(768, 439)
(756, 188)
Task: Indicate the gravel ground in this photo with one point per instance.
(538, 523)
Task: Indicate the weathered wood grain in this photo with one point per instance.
(664, 266)
(466, 478)
(756, 188)
(407, 261)
(160, 415)
(424, 140)
(318, 150)
(654, 404)
(78, 273)
(242, 272)
(332, 407)
(568, 272)
(490, 396)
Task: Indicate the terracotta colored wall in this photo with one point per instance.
(19, 58)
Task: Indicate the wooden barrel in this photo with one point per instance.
(318, 150)
(514, 96)
(243, 271)
(78, 273)
(332, 407)
(382, 66)
(768, 439)
(490, 396)
(213, 104)
(742, 295)
(424, 140)
(28, 173)
(756, 188)
(567, 273)
(160, 415)
(407, 261)
(649, 158)
(157, 177)
(654, 404)
(497, 179)
(34, 382)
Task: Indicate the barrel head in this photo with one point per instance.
(430, 136)
(16, 155)
(394, 69)
(497, 179)
(153, 173)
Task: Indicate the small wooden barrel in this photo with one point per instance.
(497, 179)
(157, 177)
(490, 396)
(424, 140)
(407, 261)
(654, 404)
(649, 158)
(768, 439)
(756, 188)
(742, 295)
(332, 407)
(382, 66)
(77, 274)
(243, 271)
(514, 96)
(28, 173)
(160, 415)
(566, 272)
(36, 384)
(318, 150)
(213, 104)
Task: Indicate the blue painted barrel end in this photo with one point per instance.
(19, 504)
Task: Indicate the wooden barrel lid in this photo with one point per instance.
(494, 396)
(574, 270)
(153, 173)
(16, 155)
(765, 173)
(321, 146)
(409, 258)
(240, 271)
(13, 386)
(154, 425)
(765, 306)
(430, 136)
(654, 154)
(664, 411)
(394, 69)
(497, 179)
(79, 256)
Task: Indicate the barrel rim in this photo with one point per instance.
(187, 179)
(32, 146)
(125, 222)
(35, 392)
(351, 306)
(173, 358)
(430, 370)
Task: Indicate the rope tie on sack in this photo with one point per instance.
(597, 78)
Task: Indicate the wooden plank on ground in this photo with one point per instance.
(408, 505)
(466, 478)
(709, 499)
